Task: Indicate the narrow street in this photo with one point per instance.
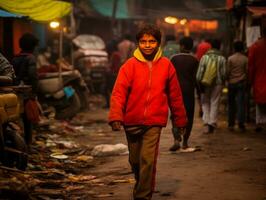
(62, 63)
(227, 165)
(230, 166)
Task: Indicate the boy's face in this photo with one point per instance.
(148, 44)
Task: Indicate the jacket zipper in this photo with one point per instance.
(149, 87)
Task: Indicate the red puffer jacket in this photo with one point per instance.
(144, 90)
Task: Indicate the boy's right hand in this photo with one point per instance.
(116, 125)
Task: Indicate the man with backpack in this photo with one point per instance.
(211, 77)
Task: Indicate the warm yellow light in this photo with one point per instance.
(183, 21)
(225, 90)
(54, 24)
(171, 20)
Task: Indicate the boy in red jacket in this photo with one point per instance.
(145, 87)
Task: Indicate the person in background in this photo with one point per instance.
(171, 46)
(54, 44)
(43, 58)
(237, 77)
(115, 60)
(257, 76)
(212, 89)
(6, 69)
(186, 66)
(126, 47)
(114, 65)
(25, 64)
(25, 67)
(145, 87)
(201, 49)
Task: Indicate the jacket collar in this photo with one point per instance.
(214, 51)
(138, 55)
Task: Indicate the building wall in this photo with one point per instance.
(11, 30)
(19, 28)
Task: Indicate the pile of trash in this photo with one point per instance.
(59, 163)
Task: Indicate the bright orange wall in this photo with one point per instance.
(203, 25)
(229, 4)
(19, 28)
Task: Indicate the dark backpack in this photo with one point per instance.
(20, 64)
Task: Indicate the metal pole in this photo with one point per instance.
(60, 48)
(61, 42)
(73, 32)
(113, 26)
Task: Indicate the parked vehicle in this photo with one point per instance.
(65, 91)
(13, 148)
(91, 60)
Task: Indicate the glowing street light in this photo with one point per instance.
(171, 20)
(183, 22)
(54, 24)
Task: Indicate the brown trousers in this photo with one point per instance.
(143, 152)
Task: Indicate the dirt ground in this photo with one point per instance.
(229, 166)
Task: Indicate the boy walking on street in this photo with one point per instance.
(146, 85)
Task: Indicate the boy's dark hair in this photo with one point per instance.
(28, 42)
(238, 46)
(151, 30)
(216, 43)
(187, 42)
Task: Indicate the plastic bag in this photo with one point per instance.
(210, 73)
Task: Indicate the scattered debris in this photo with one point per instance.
(130, 180)
(104, 195)
(59, 156)
(246, 149)
(109, 150)
(81, 178)
(58, 164)
(189, 149)
(84, 158)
